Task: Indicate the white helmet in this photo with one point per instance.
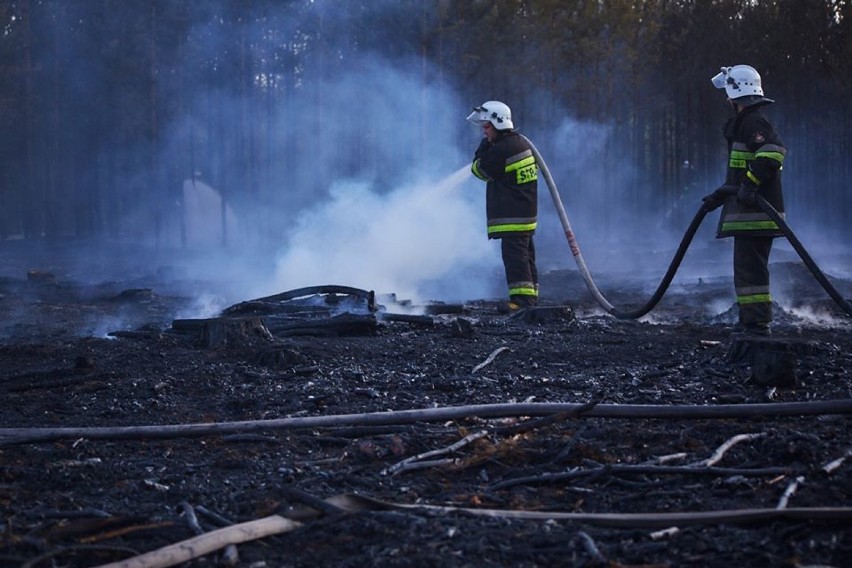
(739, 82)
(495, 112)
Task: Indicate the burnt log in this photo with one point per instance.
(333, 295)
(407, 318)
(774, 361)
(443, 309)
(340, 325)
(221, 332)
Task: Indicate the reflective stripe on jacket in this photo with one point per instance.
(755, 156)
(511, 195)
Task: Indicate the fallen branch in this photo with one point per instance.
(76, 549)
(834, 464)
(489, 359)
(525, 426)
(432, 453)
(191, 519)
(664, 533)
(528, 425)
(425, 464)
(628, 411)
(641, 469)
(206, 543)
(354, 503)
(720, 452)
(368, 296)
(592, 549)
(662, 460)
(789, 492)
(295, 494)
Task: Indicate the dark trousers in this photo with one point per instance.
(521, 274)
(751, 279)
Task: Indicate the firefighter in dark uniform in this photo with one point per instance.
(505, 161)
(755, 158)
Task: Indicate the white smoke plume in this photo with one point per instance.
(395, 243)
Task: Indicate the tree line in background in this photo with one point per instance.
(108, 105)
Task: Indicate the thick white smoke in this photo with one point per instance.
(399, 243)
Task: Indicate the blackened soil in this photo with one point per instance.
(81, 501)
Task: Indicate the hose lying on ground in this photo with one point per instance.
(678, 257)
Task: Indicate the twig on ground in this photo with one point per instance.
(665, 533)
(191, 519)
(532, 424)
(566, 450)
(720, 452)
(789, 492)
(404, 464)
(425, 464)
(834, 464)
(408, 463)
(230, 556)
(662, 460)
(206, 543)
(214, 517)
(489, 359)
(592, 549)
(640, 469)
(311, 501)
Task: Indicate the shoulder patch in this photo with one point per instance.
(759, 138)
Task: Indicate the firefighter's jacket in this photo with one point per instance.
(755, 156)
(511, 194)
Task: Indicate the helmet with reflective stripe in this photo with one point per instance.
(742, 84)
(495, 112)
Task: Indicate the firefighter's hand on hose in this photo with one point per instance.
(717, 198)
(483, 146)
(747, 194)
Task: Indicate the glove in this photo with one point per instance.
(747, 194)
(717, 198)
(483, 147)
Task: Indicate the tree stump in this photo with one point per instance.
(773, 360)
(219, 332)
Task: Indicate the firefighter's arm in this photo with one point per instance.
(480, 165)
(768, 160)
(768, 153)
(484, 146)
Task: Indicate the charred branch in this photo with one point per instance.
(331, 295)
(341, 325)
(354, 503)
(627, 411)
(206, 543)
(619, 469)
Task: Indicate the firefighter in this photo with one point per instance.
(505, 160)
(755, 159)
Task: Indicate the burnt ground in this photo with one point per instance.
(76, 501)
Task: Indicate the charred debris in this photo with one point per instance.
(331, 426)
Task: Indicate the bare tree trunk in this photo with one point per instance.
(28, 206)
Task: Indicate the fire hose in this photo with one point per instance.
(679, 254)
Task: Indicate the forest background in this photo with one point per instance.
(109, 108)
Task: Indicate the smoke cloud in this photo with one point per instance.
(368, 182)
(401, 242)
